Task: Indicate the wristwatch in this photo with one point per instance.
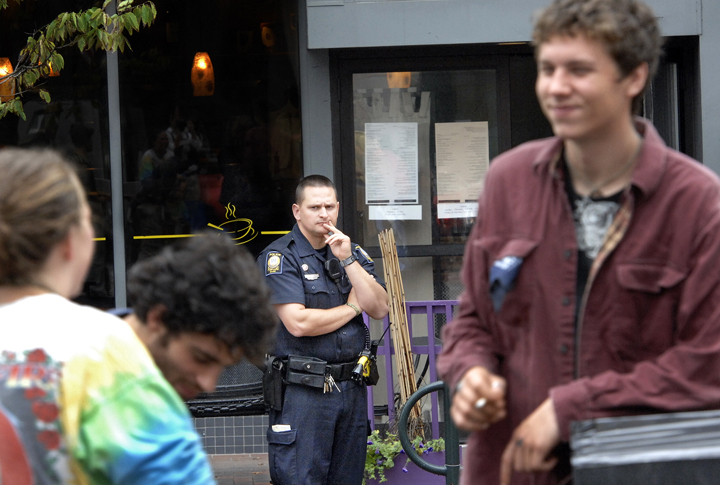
(348, 261)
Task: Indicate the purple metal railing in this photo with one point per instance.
(386, 349)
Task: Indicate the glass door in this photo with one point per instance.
(414, 157)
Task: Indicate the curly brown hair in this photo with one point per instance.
(208, 285)
(627, 28)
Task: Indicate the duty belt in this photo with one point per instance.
(313, 372)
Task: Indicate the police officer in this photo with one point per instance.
(321, 283)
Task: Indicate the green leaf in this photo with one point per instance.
(83, 23)
(103, 39)
(117, 27)
(82, 43)
(93, 40)
(50, 32)
(147, 15)
(32, 77)
(17, 108)
(45, 96)
(58, 61)
(132, 20)
(106, 3)
(43, 54)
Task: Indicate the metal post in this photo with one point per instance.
(451, 470)
(116, 177)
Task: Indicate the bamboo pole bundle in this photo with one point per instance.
(399, 323)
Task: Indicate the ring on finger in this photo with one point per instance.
(480, 403)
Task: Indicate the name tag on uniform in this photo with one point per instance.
(312, 277)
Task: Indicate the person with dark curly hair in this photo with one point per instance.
(200, 306)
(590, 288)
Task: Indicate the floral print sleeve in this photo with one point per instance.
(29, 397)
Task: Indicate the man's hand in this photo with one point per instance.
(479, 400)
(531, 444)
(339, 243)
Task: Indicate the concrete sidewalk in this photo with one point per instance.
(245, 469)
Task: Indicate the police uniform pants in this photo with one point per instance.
(327, 440)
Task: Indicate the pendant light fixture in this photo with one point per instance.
(7, 86)
(202, 75)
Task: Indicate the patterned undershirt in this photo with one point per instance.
(593, 217)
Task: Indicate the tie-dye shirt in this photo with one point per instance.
(81, 402)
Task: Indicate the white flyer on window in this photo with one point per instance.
(391, 164)
(462, 159)
(395, 212)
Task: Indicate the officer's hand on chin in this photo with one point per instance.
(339, 243)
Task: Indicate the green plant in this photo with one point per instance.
(382, 451)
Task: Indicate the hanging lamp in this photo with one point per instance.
(202, 75)
(399, 79)
(7, 86)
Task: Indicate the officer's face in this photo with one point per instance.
(318, 207)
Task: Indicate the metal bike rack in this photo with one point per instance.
(451, 470)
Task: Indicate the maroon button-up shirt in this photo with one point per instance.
(648, 337)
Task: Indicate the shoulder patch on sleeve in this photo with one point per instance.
(363, 252)
(273, 263)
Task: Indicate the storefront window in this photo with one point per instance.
(211, 123)
(75, 122)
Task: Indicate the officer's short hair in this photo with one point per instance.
(208, 285)
(312, 181)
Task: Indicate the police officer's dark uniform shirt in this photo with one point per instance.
(295, 272)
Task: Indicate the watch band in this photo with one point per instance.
(348, 261)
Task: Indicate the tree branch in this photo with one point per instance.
(87, 29)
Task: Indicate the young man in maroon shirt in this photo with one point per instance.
(589, 281)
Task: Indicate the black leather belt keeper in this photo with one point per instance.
(341, 372)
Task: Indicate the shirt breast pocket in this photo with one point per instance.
(510, 277)
(317, 294)
(646, 303)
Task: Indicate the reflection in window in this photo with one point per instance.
(75, 122)
(226, 158)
